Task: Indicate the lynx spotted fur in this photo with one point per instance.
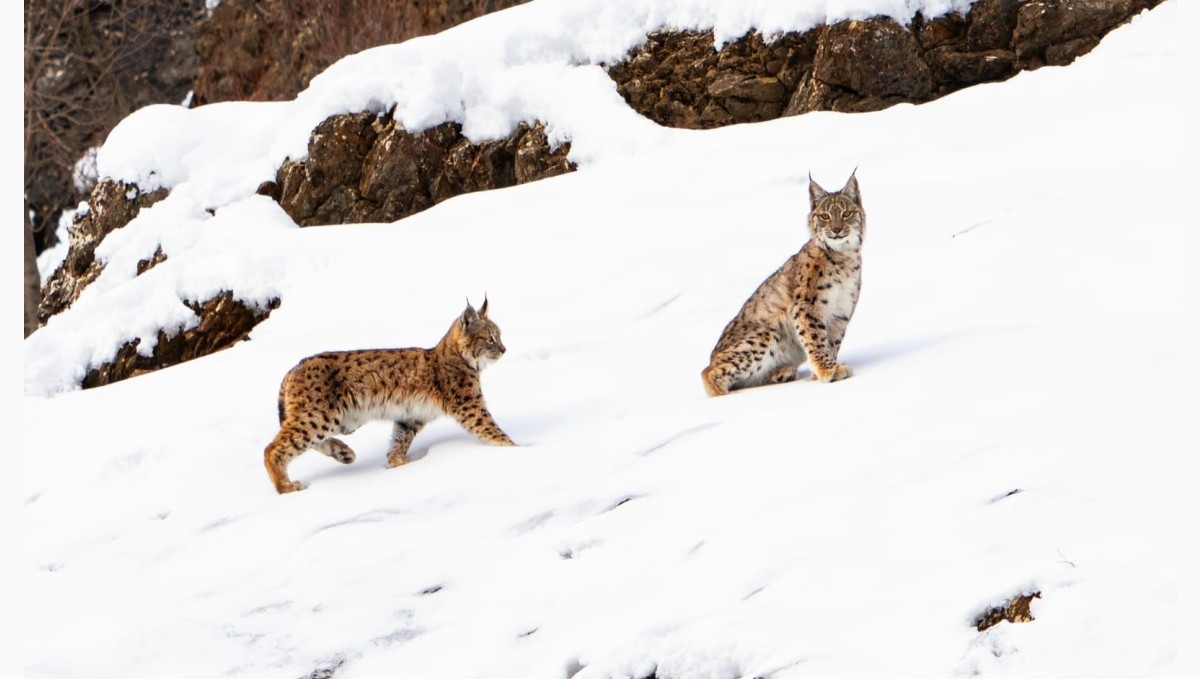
(337, 392)
(801, 311)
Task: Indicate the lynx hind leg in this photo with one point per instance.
(337, 449)
(733, 370)
(718, 378)
(305, 422)
(287, 444)
(403, 434)
(755, 360)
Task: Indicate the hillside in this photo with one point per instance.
(1012, 428)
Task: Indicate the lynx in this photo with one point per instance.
(801, 311)
(337, 392)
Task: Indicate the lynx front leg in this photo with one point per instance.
(814, 335)
(837, 331)
(475, 418)
(403, 434)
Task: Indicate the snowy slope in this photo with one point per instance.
(1015, 332)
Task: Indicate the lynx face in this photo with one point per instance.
(481, 345)
(836, 219)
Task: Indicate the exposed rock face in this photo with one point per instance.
(875, 58)
(223, 322)
(367, 168)
(1016, 610)
(112, 205)
(1056, 31)
(677, 79)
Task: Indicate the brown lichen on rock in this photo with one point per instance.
(367, 168)
(1016, 610)
(223, 322)
(111, 206)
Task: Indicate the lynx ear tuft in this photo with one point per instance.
(815, 192)
(850, 190)
(483, 309)
(469, 316)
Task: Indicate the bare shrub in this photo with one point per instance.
(88, 64)
(271, 49)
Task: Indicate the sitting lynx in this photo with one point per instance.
(802, 309)
(336, 392)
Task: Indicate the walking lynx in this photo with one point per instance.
(801, 311)
(337, 392)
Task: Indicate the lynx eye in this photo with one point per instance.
(847, 214)
(824, 216)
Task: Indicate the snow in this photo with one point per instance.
(1017, 330)
(53, 257)
(84, 172)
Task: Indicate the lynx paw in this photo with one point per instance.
(784, 373)
(290, 487)
(396, 461)
(840, 372)
(341, 452)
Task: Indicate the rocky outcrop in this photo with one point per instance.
(367, 168)
(111, 206)
(678, 79)
(223, 321)
(1015, 610)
